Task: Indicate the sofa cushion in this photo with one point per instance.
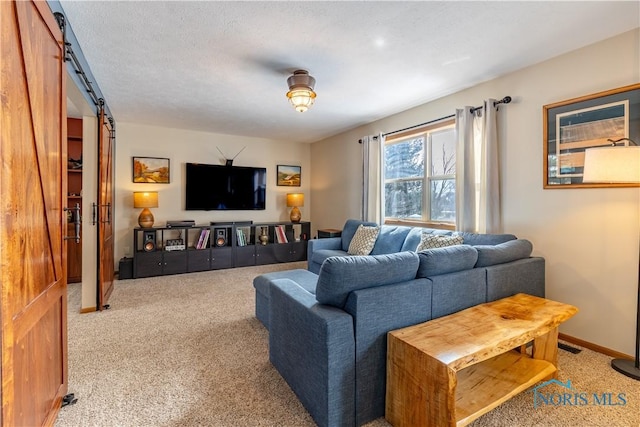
(431, 241)
(504, 252)
(363, 240)
(390, 239)
(349, 229)
(341, 275)
(484, 239)
(446, 260)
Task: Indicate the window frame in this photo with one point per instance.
(426, 133)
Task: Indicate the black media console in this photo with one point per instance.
(174, 250)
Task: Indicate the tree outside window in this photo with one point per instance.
(414, 192)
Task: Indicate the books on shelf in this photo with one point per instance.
(281, 235)
(243, 236)
(204, 239)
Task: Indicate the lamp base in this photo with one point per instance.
(626, 367)
(295, 216)
(145, 220)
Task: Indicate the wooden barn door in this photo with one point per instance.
(32, 220)
(105, 209)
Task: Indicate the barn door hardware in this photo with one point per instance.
(94, 213)
(69, 399)
(75, 214)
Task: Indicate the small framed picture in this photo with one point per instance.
(288, 176)
(151, 170)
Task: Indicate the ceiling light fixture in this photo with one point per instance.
(301, 94)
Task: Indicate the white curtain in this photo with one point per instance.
(478, 170)
(372, 185)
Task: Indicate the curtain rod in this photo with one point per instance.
(505, 100)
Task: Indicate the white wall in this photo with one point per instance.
(589, 237)
(184, 146)
(89, 196)
(89, 190)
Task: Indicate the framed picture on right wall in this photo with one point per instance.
(572, 126)
(289, 176)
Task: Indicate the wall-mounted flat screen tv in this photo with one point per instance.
(217, 187)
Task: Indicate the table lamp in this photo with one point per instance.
(619, 165)
(294, 200)
(145, 200)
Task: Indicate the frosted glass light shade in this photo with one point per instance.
(301, 99)
(615, 165)
(301, 94)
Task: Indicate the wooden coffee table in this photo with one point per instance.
(451, 370)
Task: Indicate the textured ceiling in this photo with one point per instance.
(222, 66)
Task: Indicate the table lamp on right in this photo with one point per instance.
(295, 200)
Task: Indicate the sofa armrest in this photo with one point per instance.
(376, 311)
(313, 348)
(333, 243)
(328, 243)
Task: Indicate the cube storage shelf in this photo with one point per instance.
(174, 250)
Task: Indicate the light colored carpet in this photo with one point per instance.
(186, 350)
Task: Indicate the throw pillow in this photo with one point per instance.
(431, 241)
(363, 240)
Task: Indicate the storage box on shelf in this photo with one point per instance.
(163, 250)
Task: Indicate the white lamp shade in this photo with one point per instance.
(616, 165)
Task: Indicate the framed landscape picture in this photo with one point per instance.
(572, 126)
(151, 170)
(288, 176)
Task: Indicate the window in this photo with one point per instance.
(419, 175)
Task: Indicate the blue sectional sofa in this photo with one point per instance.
(328, 324)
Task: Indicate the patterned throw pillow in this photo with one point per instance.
(364, 240)
(430, 241)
